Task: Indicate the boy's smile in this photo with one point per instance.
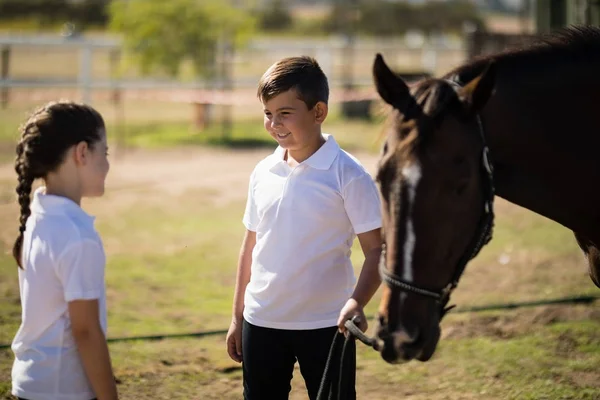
(283, 135)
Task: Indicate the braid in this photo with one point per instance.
(23, 190)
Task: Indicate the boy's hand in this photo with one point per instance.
(350, 310)
(234, 340)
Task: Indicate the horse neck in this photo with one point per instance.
(543, 131)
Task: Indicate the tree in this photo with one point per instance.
(275, 16)
(162, 34)
(391, 18)
(81, 13)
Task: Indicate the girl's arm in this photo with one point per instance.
(92, 346)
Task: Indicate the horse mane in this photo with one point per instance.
(431, 96)
(567, 45)
(574, 40)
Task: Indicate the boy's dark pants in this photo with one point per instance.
(269, 356)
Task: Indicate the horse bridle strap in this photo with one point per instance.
(482, 235)
(393, 280)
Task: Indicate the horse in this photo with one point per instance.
(522, 124)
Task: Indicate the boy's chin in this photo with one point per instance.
(286, 144)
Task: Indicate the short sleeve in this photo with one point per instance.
(80, 269)
(362, 203)
(250, 219)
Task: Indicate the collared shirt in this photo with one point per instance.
(63, 260)
(306, 219)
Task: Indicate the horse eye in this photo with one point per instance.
(385, 147)
(384, 179)
(379, 176)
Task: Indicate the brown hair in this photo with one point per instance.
(45, 138)
(302, 74)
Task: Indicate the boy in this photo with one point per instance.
(306, 202)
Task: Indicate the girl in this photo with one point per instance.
(60, 348)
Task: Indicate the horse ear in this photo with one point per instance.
(476, 93)
(390, 86)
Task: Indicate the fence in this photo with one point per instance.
(38, 67)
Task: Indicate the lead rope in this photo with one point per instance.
(326, 388)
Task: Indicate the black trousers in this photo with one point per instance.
(269, 356)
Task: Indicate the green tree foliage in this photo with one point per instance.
(275, 16)
(81, 13)
(162, 34)
(448, 17)
(387, 18)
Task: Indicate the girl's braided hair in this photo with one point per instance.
(45, 138)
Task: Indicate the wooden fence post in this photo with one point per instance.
(4, 71)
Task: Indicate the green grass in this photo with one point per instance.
(176, 129)
(352, 136)
(537, 233)
(10, 306)
(196, 273)
(525, 367)
(531, 366)
(171, 269)
(243, 134)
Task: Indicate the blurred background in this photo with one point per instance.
(198, 61)
(175, 81)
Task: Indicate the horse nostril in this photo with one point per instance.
(402, 338)
(397, 347)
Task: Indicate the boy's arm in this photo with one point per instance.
(368, 280)
(243, 274)
(234, 335)
(92, 347)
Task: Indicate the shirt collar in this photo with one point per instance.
(321, 159)
(58, 205)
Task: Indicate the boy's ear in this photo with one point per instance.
(321, 111)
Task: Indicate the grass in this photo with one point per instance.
(529, 366)
(156, 125)
(169, 281)
(171, 270)
(248, 133)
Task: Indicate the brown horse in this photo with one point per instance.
(522, 124)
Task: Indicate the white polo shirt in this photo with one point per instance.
(63, 260)
(306, 219)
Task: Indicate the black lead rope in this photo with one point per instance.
(326, 389)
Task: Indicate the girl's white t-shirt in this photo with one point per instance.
(63, 260)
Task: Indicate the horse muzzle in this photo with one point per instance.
(400, 347)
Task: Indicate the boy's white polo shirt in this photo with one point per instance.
(306, 219)
(63, 260)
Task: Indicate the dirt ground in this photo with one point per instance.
(163, 174)
(134, 174)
